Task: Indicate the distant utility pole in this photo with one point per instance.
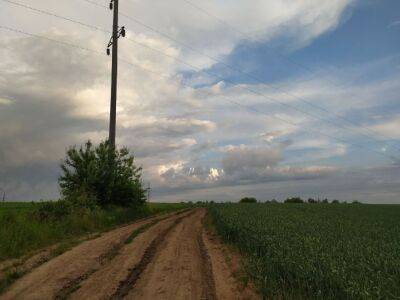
(114, 71)
(148, 192)
(4, 195)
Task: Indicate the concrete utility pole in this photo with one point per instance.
(114, 71)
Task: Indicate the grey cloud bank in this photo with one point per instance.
(192, 143)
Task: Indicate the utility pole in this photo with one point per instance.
(4, 195)
(148, 192)
(114, 71)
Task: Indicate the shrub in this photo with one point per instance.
(103, 175)
(248, 200)
(52, 211)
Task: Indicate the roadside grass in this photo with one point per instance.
(22, 233)
(9, 277)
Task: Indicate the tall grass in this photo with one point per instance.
(23, 229)
(316, 251)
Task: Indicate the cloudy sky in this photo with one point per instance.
(217, 99)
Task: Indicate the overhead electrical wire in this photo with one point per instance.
(97, 28)
(196, 68)
(352, 124)
(250, 109)
(303, 66)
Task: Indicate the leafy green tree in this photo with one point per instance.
(294, 200)
(248, 200)
(108, 175)
(312, 201)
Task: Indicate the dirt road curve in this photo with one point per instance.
(169, 257)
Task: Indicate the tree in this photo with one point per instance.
(294, 200)
(106, 174)
(248, 200)
(335, 201)
(312, 201)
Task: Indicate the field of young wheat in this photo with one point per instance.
(316, 251)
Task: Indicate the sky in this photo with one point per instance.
(217, 99)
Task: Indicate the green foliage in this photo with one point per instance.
(294, 200)
(103, 174)
(248, 200)
(317, 251)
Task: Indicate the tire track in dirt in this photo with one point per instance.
(113, 278)
(181, 269)
(74, 285)
(47, 280)
(129, 283)
(208, 285)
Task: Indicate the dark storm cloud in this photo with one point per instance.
(37, 121)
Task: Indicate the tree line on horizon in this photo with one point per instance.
(298, 200)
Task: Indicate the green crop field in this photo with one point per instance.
(16, 205)
(316, 251)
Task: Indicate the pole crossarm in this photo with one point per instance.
(121, 32)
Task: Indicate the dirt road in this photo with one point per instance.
(169, 257)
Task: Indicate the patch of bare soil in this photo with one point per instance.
(112, 280)
(48, 279)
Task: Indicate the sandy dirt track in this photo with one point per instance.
(171, 257)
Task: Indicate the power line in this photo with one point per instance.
(55, 15)
(246, 88)
(250, 109)
(234, 29)
(295, 63)
(197, 68)
(353, 124)
(50, 39)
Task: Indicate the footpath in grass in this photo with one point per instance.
(24, 228)
(314, 251)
